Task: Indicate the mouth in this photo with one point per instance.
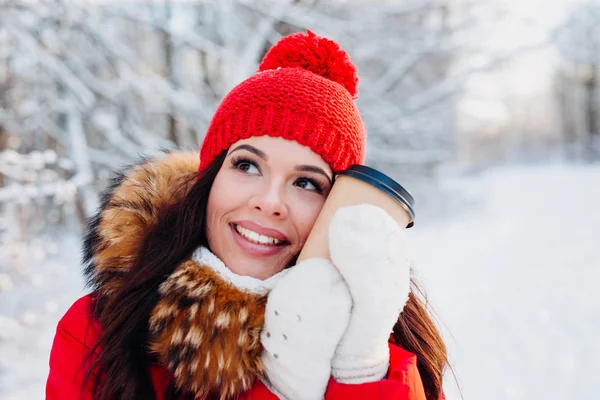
(256, 237)
(255, 243)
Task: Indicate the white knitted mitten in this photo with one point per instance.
(370, 250)
(306, 315)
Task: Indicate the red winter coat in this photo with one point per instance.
(65, 379)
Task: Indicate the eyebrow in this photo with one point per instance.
(312, 168)
(251, 149)
(261, 154)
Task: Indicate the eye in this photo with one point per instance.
(245, 165)
(248, 168)
(309, 184)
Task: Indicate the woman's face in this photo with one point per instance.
(263, 204)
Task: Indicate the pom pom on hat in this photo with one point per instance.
(314, 53)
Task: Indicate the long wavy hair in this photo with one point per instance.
(120, 370)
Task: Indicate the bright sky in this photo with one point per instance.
(528, 75)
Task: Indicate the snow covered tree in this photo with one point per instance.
(91, 86)
(578, 79)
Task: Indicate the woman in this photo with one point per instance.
(196, 290)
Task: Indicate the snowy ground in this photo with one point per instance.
(512, 267)
(515, 279)
(32, 300)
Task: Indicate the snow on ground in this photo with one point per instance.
(515, 280)
(512, 269)
(33, 300)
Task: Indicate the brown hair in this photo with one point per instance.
(416, 332)
(121, 369)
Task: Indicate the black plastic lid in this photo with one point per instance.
(384, 183)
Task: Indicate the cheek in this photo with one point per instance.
(226, 196)
(306, 216)
(216, 208)
(210, 219)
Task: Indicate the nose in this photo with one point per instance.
(270, 200)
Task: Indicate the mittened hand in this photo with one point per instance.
(370, 250)
(306, 315)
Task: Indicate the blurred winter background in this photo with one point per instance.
(487, 110)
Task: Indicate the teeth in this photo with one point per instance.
(255, 237)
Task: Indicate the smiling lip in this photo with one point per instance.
(256, 249)
(261, 230)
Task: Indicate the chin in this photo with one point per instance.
(244, 265)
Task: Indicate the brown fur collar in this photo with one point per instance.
(204, 329)
(208, 332)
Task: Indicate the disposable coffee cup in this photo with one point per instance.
(358, 184)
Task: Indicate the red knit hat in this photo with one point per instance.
(304, 90)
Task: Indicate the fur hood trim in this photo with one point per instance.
(130, 209)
